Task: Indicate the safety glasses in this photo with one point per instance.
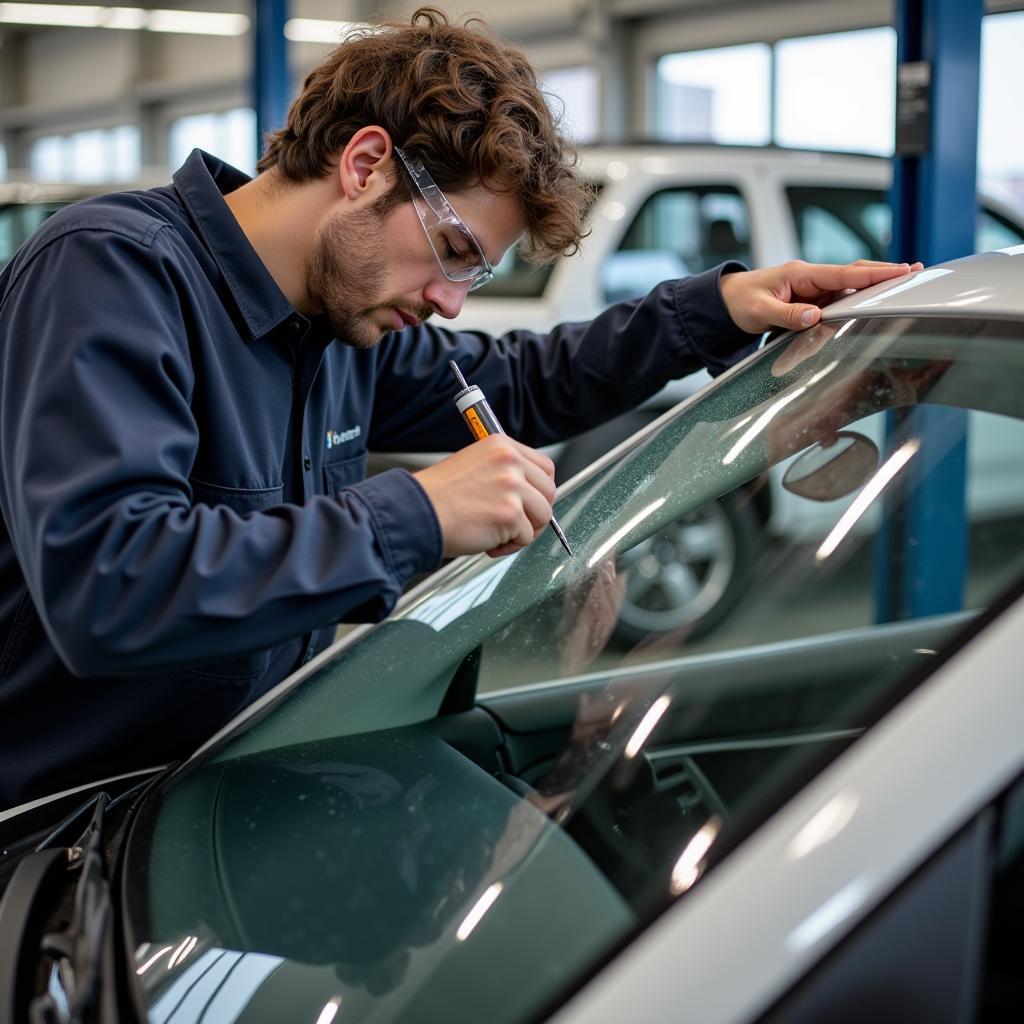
(457, 252)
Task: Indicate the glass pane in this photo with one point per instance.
(46, 158)
(230, 135)
(187, 133)
(995, 233)
(125, 152)
(719, 95)
(514, 278)
(575, 92)
(88, 155)
(415, 857)
(675, 233)
(817, 108)
(755, 555)
(1000, 142)
(839, 225)
(239, 148)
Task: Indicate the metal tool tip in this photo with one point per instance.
(458, 373)
(559, 533)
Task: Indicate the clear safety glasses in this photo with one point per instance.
(457, 252)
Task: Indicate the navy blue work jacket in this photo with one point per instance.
(185, 514)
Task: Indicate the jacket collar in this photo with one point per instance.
(202, 182)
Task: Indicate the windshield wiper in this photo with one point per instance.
(79, 950)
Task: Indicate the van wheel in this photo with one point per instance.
(689, 576)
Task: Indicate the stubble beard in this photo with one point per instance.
(346, 270)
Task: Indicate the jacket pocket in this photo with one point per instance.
(343, 472)
(239, 499)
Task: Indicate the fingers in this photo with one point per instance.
(537, 509)
(810, 280)
(883, 263)
(494, 495)
(794, 315)
(539, 459)
(791, 295)
(540, 479)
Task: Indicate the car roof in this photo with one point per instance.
(654, 156)
(986, 284)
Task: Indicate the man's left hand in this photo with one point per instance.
(792, 294)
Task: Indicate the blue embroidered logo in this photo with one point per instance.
(336, 437)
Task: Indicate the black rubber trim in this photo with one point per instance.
(33, 875)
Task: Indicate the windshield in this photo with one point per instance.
(349, 843)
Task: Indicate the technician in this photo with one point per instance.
(190, 378)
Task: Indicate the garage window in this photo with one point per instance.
(1000, 143)
(228, 134)
(95, 154)
(720, 95)
(860, 119)
(575, 92)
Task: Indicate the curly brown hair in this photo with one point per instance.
(457, 98)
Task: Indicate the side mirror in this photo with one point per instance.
(826, 473)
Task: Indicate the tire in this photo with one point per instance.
(690, 576)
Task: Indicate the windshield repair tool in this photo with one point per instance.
(482, 423)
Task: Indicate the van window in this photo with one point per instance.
(678, 231)
(839, 225)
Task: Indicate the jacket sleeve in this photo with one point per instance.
(99, 439)
(547, 387)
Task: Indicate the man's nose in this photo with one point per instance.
(446, 297)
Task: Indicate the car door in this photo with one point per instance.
(944, 947)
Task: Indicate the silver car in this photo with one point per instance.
(482, 809)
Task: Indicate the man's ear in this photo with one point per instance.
(363, 162)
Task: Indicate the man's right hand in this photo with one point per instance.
(494, 496)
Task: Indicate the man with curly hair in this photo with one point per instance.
(192, 375)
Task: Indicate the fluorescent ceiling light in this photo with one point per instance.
(51, 14)
(318, 30)
(207, 23)
(122, 17)
(203, 23)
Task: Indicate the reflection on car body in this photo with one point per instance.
(374, 839)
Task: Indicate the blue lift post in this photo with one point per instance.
(271, 88)
(921, 553)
